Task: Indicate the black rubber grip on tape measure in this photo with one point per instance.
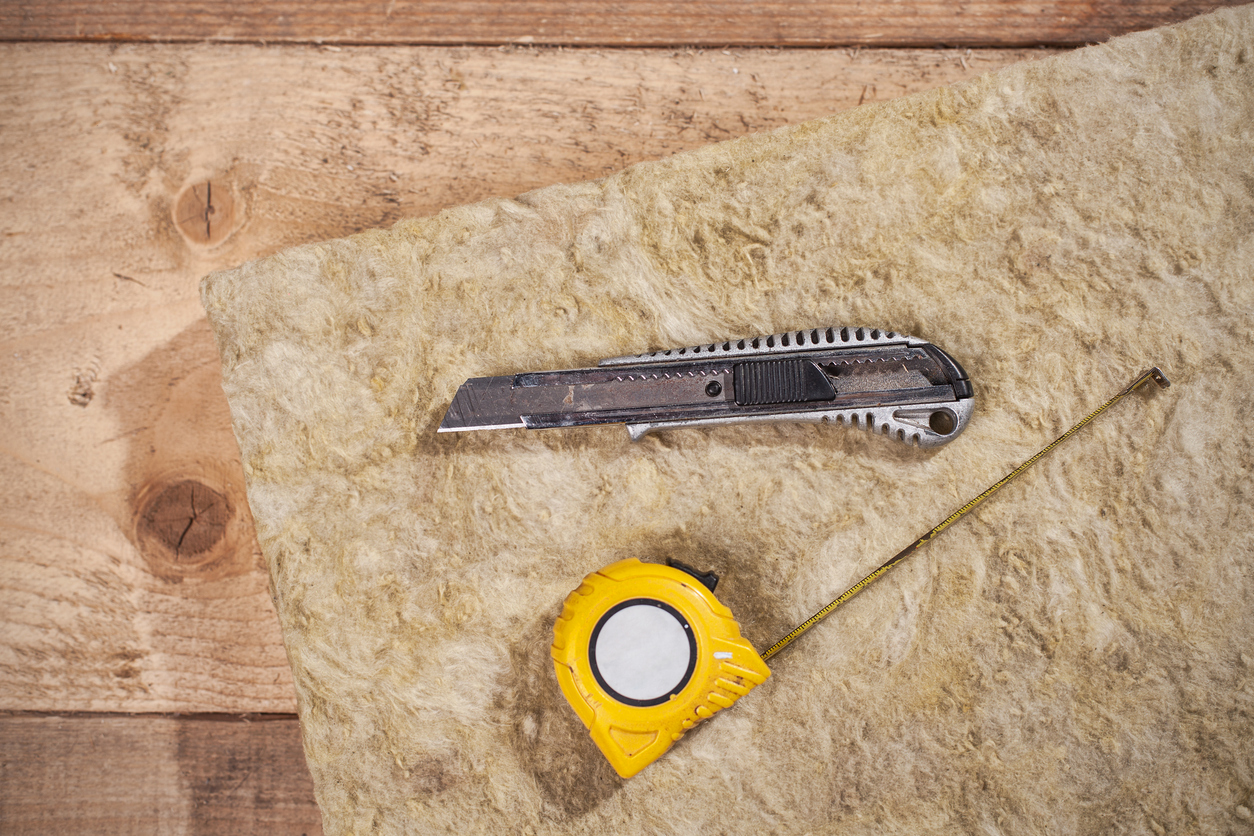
(780, 381)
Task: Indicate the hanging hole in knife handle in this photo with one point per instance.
(942, 422)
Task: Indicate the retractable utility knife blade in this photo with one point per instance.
(888, 383)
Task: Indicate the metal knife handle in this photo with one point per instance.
(889, 383)
(926, 426)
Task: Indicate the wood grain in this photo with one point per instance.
(155, 774)
(924, 23)
(129, 576)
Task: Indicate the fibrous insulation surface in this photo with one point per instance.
(1077, 656)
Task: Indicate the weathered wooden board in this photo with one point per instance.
(129, 578)
(927, 23)
(154, 774)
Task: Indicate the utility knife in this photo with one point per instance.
(888, 383)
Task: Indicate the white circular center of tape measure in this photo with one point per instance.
(642, 652)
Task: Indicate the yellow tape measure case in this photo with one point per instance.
(643, 652)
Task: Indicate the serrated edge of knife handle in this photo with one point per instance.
(787, 342)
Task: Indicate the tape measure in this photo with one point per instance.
(643, 652)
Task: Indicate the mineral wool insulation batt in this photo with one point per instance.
(1078, 657)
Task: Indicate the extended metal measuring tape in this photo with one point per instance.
(644, 652)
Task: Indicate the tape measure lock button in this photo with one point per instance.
(644, 652)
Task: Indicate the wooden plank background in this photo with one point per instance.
(982, 23)
(109, 774)
(135, 624)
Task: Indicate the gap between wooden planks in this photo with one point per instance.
(130, 580)
(154, 774)
(921, 23)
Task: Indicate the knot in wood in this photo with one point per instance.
(205, 212)
(181, 524)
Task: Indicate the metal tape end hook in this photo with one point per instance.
(1155, 374)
